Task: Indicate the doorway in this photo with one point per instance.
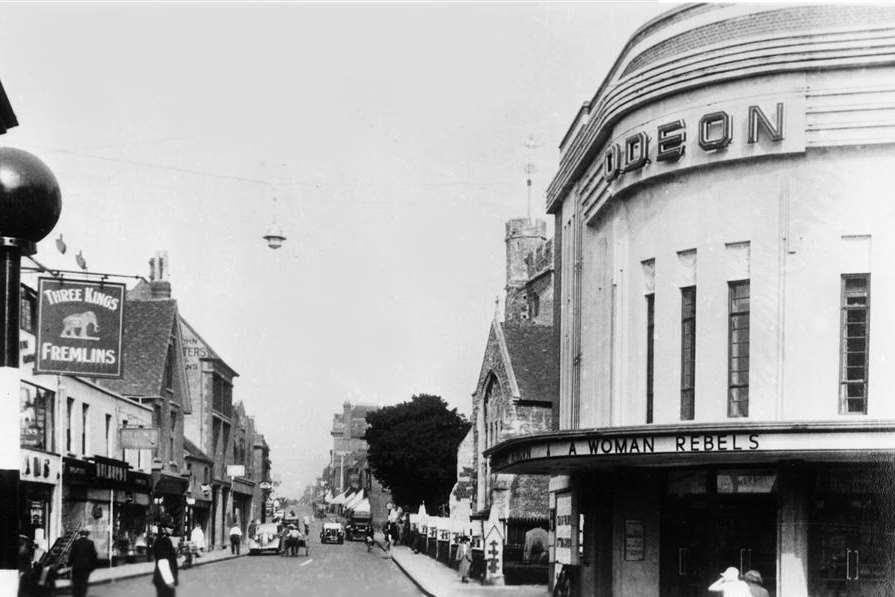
(703, 534)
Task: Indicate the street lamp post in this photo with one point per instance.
(30, 204)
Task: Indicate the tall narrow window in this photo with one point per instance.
(855, 328)
(123, 451)
(688, 353)
(69, 409)
(109, 436)
(171, 437)
(84, 409)
(650, 355)
(738, 350)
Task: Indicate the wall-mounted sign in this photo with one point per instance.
(703, 135)
(110, 472)
(38, 467)
(634, 540)
(265, 485)
(79, 327)
(138, 438)
(236, 470)
(642, 446)
(563, 540)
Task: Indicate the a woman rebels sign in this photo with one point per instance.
(79, 325)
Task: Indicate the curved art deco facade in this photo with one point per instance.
(724, 233)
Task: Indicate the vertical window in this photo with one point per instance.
(84, 409)
(738, 350)
(171, 438)
(650, 355)
(855, 344)
(169, 368)
(688, 352)
(109, 436)
(68, 415)
(123, 451)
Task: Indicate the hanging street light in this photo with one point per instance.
(274, 236)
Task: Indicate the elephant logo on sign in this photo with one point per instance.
(75, 326)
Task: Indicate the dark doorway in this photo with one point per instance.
(702, 535)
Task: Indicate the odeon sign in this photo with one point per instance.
(670, 143)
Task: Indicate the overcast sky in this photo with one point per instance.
(388, 141)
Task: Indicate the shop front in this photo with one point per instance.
(40, 477)
(105, 497)
(243, 492)
(169, 501)
(663, 512)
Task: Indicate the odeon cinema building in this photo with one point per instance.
(725, 233)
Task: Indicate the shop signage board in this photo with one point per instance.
(79, 327)
(139, 438)
(39, 467)
(642, 445)
(236, 470)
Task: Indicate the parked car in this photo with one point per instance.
(332, 532)
(266, 539)
(359, 526)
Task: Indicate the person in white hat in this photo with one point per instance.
(730, 585)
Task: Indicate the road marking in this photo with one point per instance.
(306, 562)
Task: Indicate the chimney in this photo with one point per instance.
(159, 285)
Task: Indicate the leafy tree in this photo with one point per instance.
(412, 450)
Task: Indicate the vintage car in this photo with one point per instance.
(266, 539)
(332, 532)
(359, 526)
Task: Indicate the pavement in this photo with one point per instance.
(122, 571)
(437, 580)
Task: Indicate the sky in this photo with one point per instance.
(388, 141)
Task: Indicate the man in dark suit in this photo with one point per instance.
(82, 560)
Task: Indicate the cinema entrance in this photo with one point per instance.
(713, 519)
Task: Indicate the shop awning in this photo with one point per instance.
(339, 500)
(362, 506)
(166, 484)
(354, 499)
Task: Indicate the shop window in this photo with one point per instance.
(650, 355)
(36, 417)
(738, 350)
(686, 483)
(688, 353)
(854, 335)
(27, 311)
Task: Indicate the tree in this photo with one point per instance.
(412, 450)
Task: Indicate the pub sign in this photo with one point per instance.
(79, 327)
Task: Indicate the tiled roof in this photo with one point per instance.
(193, 450)
(148, 326)
(532, 360)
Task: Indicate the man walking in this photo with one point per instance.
(82, 560)
(235, 539)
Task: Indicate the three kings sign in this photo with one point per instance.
(79, 327)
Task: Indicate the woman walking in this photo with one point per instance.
(464, 558)
(165, 575)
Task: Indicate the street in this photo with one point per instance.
(335, 570)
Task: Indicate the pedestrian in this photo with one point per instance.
(306, 521)
(730, 585)
(235, 539)
(164, 577)
(82, 561)
(755, 583)
(197, 538)
(464, 558)
(252, 527)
